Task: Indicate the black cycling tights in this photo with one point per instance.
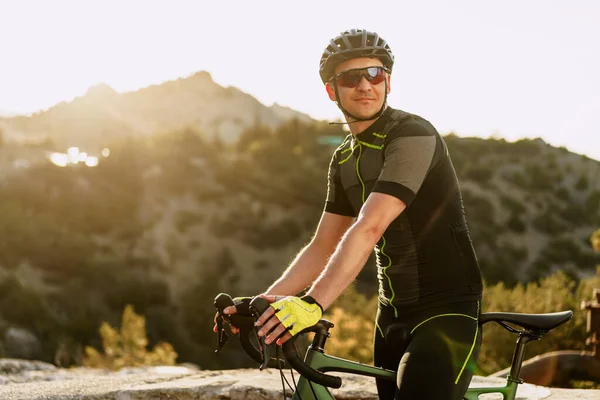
(435, 353)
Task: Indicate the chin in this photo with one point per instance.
(363, 114)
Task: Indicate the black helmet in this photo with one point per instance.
(352, 44)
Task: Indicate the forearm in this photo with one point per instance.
(349, 258)
(305, 268)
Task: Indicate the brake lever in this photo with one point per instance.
(258, 305)
(221, 301)
(222, 336)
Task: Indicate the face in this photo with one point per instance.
(365, 99)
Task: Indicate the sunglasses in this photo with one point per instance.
(352, 77)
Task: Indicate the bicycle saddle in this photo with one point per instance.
(536, 322)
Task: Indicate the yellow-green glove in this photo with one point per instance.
(297, 313)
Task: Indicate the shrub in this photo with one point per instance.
(128, 347)
(494, 270)
(518, 178)
(515, 224)
(513, 205)
(353, 316)
(595, 240)
(574, 214)
(582, 183)
(563, 193)
(540, 179)
(480, 174)
(592, 205)
(549, 223)
(568, 168)
(554, 293)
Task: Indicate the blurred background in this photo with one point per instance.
(154, 154)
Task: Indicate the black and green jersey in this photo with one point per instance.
(425, 257)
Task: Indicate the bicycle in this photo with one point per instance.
(313, 383)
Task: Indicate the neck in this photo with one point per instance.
(360, 126)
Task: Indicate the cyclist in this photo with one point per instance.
(391, 187)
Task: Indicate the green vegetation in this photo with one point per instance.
(165, 223)
(592, 206)
(582, 183)
(595, 240)
(353, 316)
(128, 346)
(516, 224)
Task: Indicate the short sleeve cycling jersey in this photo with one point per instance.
(425, 257)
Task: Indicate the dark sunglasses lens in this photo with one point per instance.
(352, 78)
(372, 72)
(349, 79)
(375, 75)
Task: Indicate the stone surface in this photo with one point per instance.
(21, 343)
(185, 383)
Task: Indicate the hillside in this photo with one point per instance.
(102, 115)
(168, 221)
(531, 206)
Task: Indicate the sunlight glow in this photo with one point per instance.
(73, 156)
(73, 153)
(91, 161)
(59, 159)
(478, 68)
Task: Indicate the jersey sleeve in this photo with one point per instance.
(337, 201)
(408, 156)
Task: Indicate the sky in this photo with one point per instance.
(510, 69)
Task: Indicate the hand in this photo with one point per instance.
(287, 316)
(240, 305)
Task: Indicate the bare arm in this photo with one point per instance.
(357, 244)
(311, 261)
(349, 257)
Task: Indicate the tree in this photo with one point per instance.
(595, 239)
(128, 346)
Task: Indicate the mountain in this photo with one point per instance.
(101, 115)
(166, 223)
(7, 113)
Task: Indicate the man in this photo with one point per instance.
(391, 187)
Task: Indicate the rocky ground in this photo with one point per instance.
(36, 380)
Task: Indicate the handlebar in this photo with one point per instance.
(244, 321)
(259, 305)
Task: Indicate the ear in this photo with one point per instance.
(389, 87)
(330, 91)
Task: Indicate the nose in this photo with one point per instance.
(364, 85)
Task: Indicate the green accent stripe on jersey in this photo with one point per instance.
(388, 277)
(349, 155)
(384, 241)
(358, 173)
(379, 135)
(370, 145)
(380, 331)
